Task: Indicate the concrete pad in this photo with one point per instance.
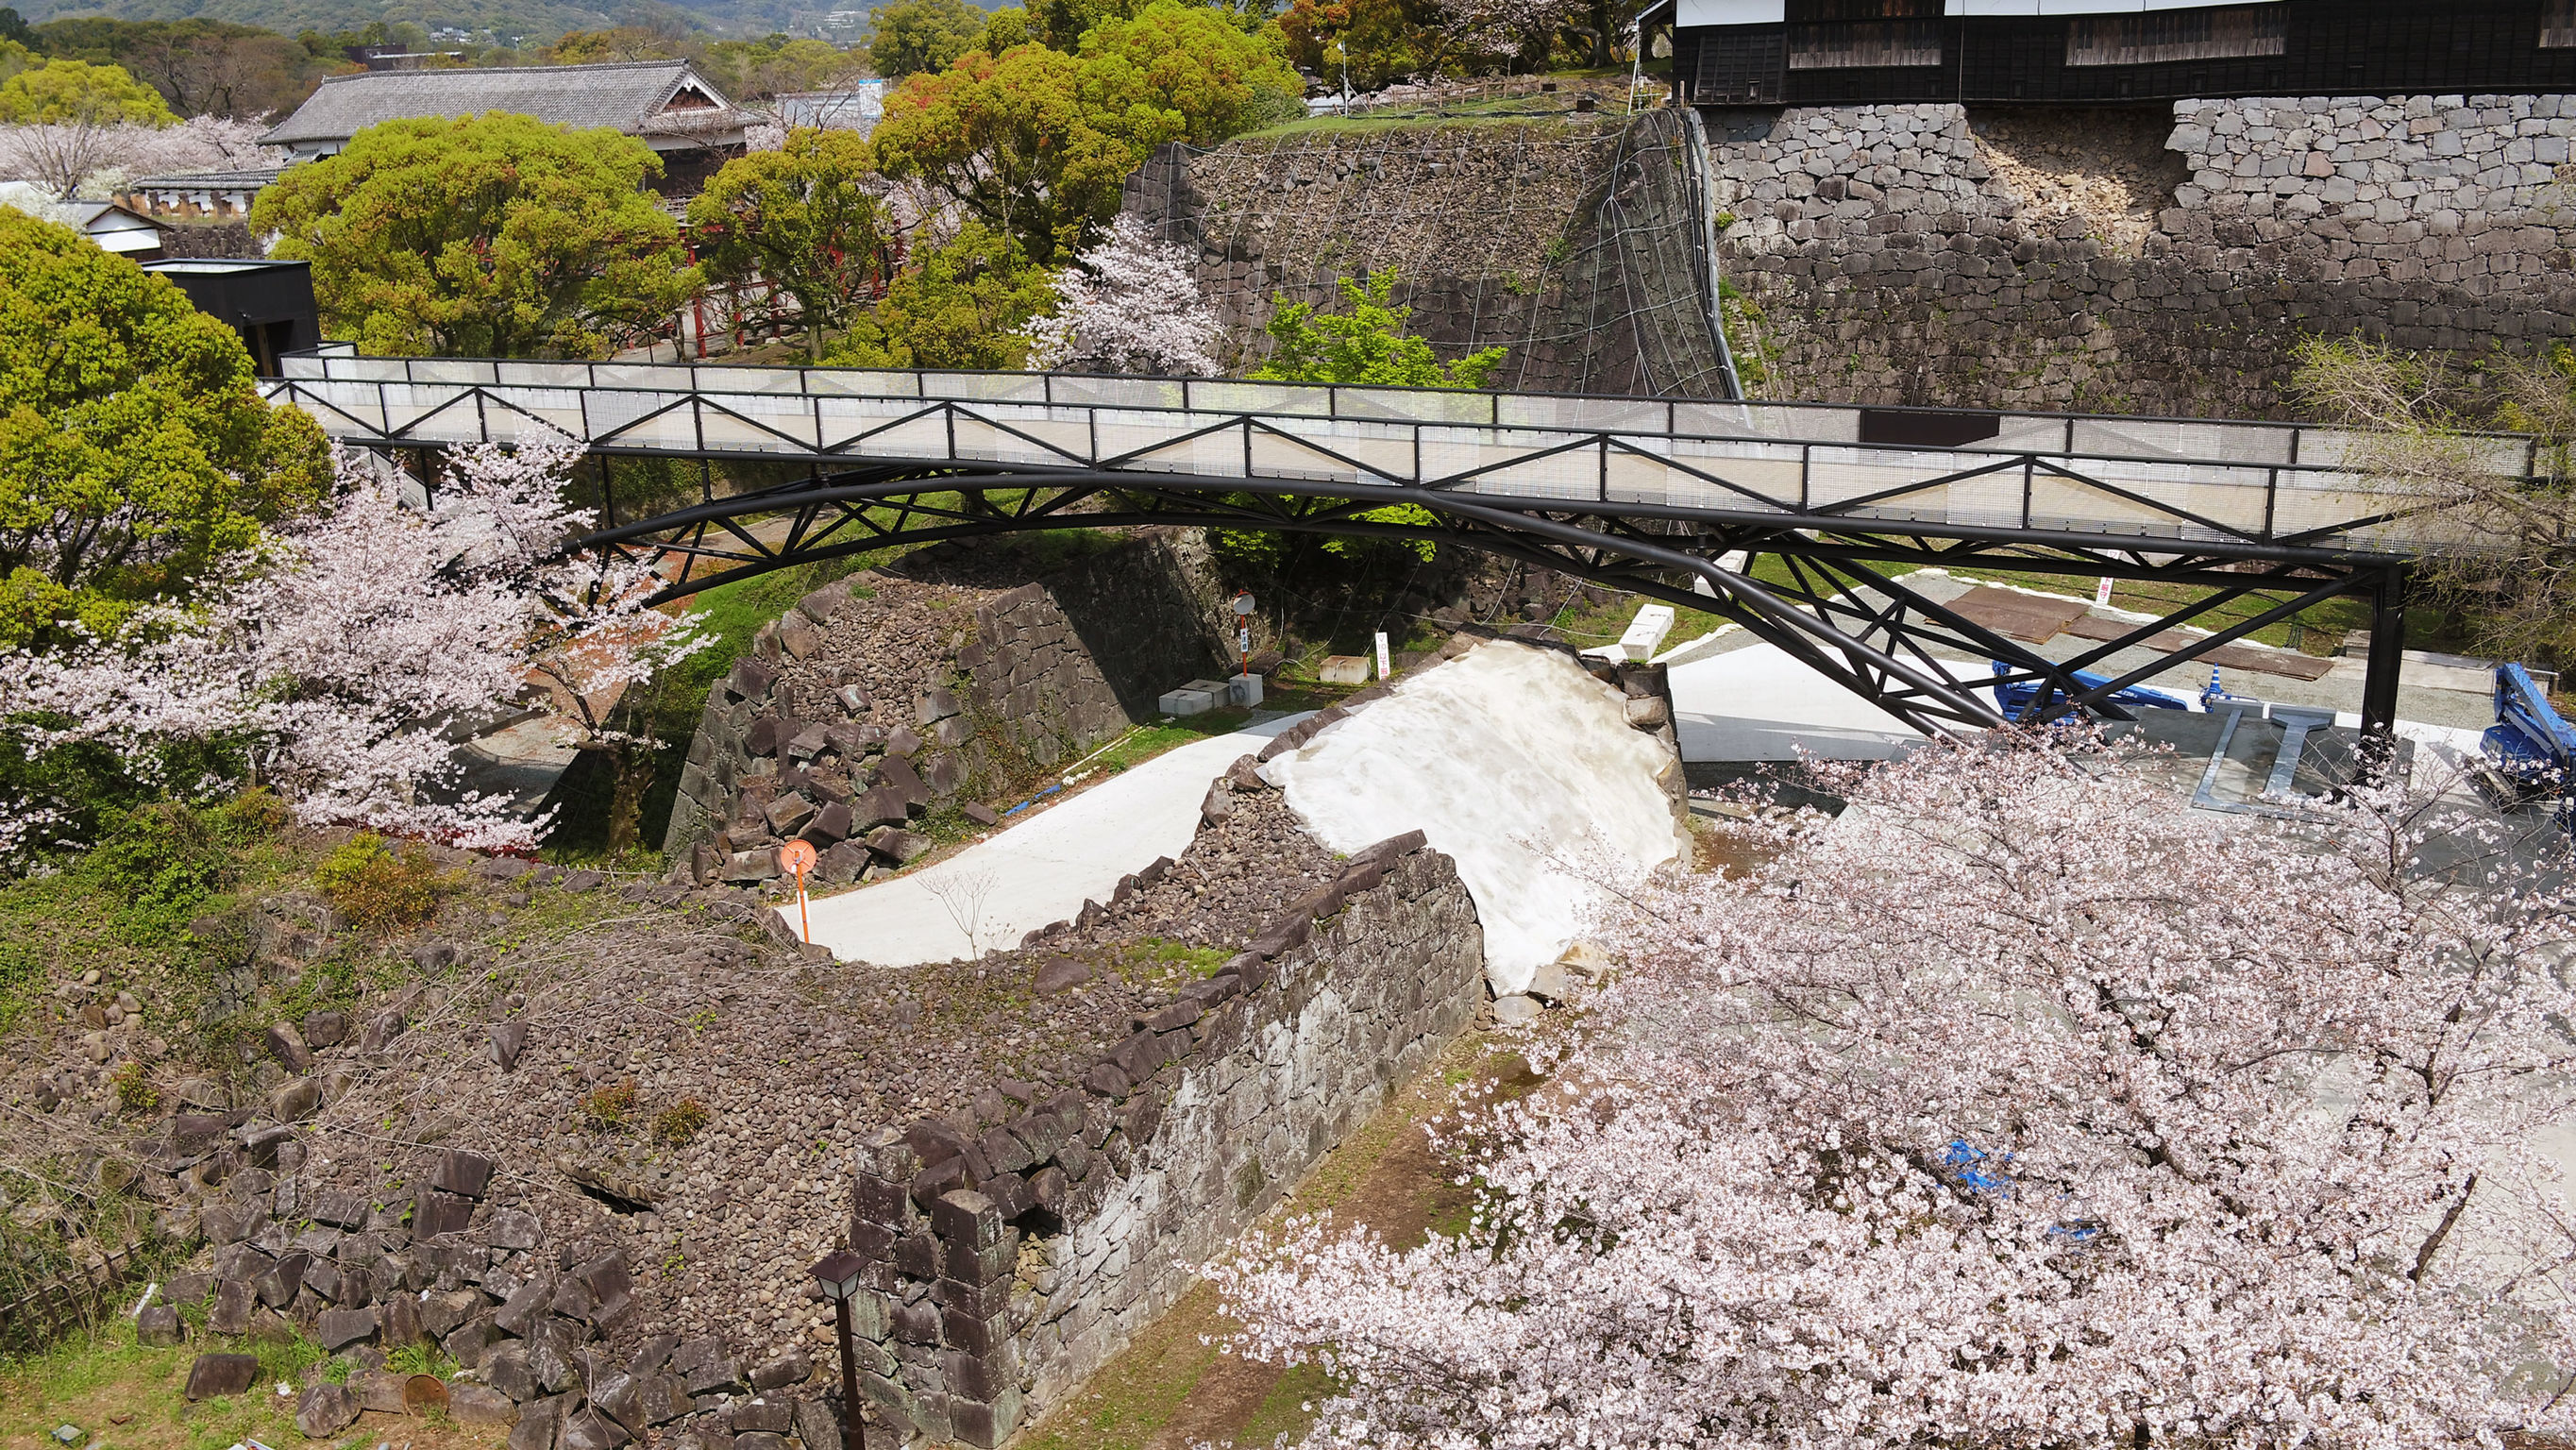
(1516, 763)
(1037, 871)
(1757, 703)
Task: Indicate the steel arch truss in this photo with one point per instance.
(1840, 609)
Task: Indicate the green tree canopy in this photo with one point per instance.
(1036, 142)
(493, 236)
(906, 37)
(1013, 141)
(962, 307)
(1004, 29)
(799, 218)
(75, 92)
(1192, 63)
(135, 453)
(1367, 344)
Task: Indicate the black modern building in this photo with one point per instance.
(269, 303)
(1858, 52)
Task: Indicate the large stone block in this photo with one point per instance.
(214, 1375)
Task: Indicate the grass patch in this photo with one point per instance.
(97, 1382)
(1168, 963)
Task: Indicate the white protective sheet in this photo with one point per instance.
(1502, 758)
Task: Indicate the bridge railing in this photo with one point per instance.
(2185, 479)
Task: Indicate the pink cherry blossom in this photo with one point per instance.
(2019, 1105)
(1129, 304)
(349, 660)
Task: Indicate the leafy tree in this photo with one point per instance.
(1371, 42)
(1063, 23)
(136, 457)
(75, 92)
(619, 43)
(799, 218)
(2516, 594)
(1013, 142)
(1037, 142)
(493, 236)
(1006, 29)
(909, 36)
(201, 67)
(13, 26)
(1190, 62)
(1367, 344)
(963, 307)
(755, 70)
(375, 633)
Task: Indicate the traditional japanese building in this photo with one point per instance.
(665, 104)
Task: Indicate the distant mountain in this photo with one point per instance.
(497, 22)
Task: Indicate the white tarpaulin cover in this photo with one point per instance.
(1501, 758)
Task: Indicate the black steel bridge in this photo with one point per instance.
(1639, 494)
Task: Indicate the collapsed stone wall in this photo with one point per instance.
(878, 701)
(1005, 1267)
(1894, 255)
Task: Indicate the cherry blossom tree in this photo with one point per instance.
(2017, 1106)
(1129, 304)
(100, 158)
(344, 664)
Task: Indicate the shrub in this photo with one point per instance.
(679, 1122)
(380, 889)
(163, 858)
(135, 1090)
(603, 1109)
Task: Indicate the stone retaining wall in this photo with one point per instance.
(1888, 262)
(1564, 239)
(1004, 1269)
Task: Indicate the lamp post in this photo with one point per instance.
(839, 1276)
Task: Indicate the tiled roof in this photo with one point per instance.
(623, 96)
(250, 180)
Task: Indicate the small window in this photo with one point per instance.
(2558, 25)
(2166, 35)
(1864, 43)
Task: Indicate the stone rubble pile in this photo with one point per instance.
(878, 701)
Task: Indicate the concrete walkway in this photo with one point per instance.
(1738, 699)
(1752, 702)
(1038, 870)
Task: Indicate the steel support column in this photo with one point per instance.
(2387, 659)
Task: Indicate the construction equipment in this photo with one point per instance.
(2018, 696)
(2530, 750)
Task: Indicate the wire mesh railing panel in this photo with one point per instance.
(855, 383)
(1228, 395)
(1415, 407)
(784, 381)
(1642, 415)
(2179, 438)
(986, 387)
(1118, 392)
